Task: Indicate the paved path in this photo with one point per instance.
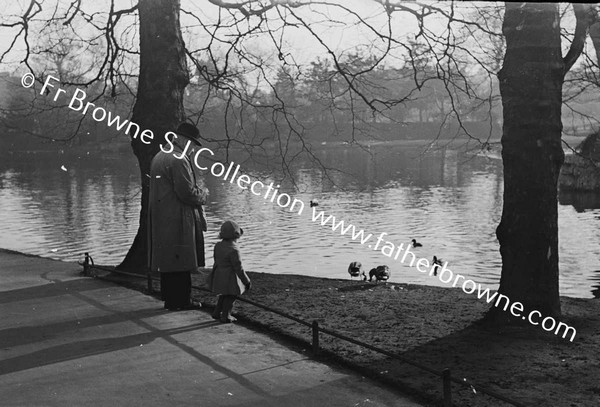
(67, 340)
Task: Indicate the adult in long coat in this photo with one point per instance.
(175, 202)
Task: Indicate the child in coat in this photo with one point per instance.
(228, 276)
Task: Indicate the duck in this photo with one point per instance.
(436, 264)
(314, 202)
(355, 270)
(381, 273)
(416, 244)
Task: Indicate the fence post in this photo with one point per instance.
(86, 264)
(149, 279)
(315, 337)
(447, 388)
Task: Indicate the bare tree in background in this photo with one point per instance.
(55, 46)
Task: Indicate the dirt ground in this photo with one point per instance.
(437, 328)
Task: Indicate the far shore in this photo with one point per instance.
(56, 147)
(460, 142)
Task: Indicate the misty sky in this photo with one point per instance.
(335, 26)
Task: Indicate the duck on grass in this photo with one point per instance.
(380, 273)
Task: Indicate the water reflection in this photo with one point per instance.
(63, 213)
(446, 199)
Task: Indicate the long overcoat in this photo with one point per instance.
(228, 275)
(173, 202)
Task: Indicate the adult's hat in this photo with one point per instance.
(230, 230)
(190, 131)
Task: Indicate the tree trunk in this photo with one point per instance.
(531, 82)
(159, 103)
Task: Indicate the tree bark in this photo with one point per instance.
(159, 105)
(531, 82)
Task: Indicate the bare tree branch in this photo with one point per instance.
(586, 15)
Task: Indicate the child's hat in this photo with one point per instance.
(230, 230)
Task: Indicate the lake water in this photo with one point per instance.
(61, 205)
